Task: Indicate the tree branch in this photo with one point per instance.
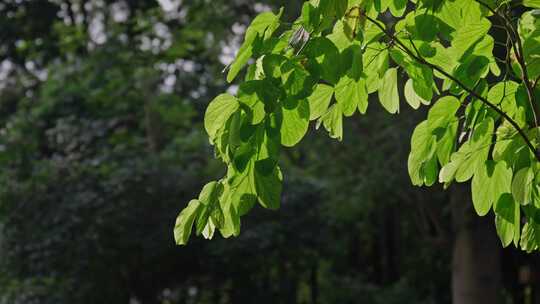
(421, 60)
(517, 45)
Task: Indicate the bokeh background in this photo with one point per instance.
(102, 144)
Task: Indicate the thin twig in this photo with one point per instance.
(536, 81)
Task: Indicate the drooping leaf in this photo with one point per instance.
(489, 183)
(319, 101)
(375, 61)
(522, 186)
(475, 152)
(530, 237)
(411, 97)
(295, 121)
(388, 93)
(184, 222)
(333, 122)
(443, 112)
(350, 95)
(269, 188)
(422, 152)
(218, 112)
(231, 218)
(529, 31)
(507, 219)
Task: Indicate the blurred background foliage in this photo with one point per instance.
(102, 144)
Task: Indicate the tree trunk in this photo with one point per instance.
(314, 282)
(476, 267)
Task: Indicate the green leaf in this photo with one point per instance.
(447, 143)
(291, 83)
(241, 194)
(262, 27)
(448, 172)
(209, 193)
(269, 188)
(388, 93)
(432, 5)
(411, 97)
(202, 220)
(430, 171)
(272, 65)
(231, 218)
(422, 152)
(421, 76)
(310, 17)
(259, 179)
(532, 3)
(424, 26)
(382, 5)
(295, 121)
(323, 59)
(530, 237)
(340, 37)
(503, 94)
(363, 101)
(471, 71)
(351, 59)
(375, 65)
(244, 54)
(209, 230)
(467, 36)
(443, 112)
(218, 112)
(529, 31)
(471, 155)
(328, 11)
(351, 94)
(184, 222)
(422, 80)
(475, 151)
(507, 219)
(397, 7)
(210, 214)
(297, 82)
(522, 186)
(489, 183)
(319, 101)
(340, 7)
(333, 122)
(250, 97)
(511, 148)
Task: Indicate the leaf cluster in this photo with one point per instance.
(328, 64)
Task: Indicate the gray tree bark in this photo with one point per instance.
(476, 266)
